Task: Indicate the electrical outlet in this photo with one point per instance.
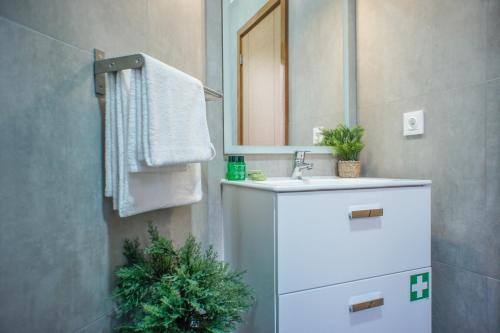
(413, 123)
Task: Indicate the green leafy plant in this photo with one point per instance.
(345, 142)
(164, 289)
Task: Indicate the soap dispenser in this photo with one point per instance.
(241, 167)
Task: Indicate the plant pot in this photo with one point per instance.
(349, 169)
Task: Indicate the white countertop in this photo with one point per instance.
(286, 184)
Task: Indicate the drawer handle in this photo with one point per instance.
(366, 305)
(356, 214)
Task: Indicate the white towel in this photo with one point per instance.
(135, 153)
(108, 145)
(155, 190)
(168, 118)
(110, 155)
(135, 193)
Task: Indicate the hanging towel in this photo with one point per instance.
(115, 105)
(135, 156)
(135, 193)
(110, 153)
(143, 192)
(108, 144)
(168, 118)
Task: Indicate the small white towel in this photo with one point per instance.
(168, 118)
(135, 155)
(135, 193)
(149, 191)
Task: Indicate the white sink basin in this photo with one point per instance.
(286, 184)
(321, 180)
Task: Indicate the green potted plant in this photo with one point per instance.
(346, 145)
(164, 289)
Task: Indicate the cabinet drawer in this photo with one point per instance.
(332, 237)
(384, 304)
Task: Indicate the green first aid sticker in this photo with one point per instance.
(419, 286)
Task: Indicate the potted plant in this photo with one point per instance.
(346, 145)
(164, 289)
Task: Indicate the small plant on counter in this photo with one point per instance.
(163, 289)
(346, 144)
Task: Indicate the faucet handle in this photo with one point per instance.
(301, 155)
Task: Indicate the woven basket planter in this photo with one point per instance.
(349, 169)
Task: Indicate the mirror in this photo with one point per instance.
(288, 72)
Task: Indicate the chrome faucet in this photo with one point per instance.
(299, 164)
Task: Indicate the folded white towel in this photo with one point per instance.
(168, 118)
(134, 193)
(110, 155)
(135, 155)
(122, 102)
(155, 190)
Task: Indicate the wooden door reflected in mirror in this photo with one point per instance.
(262, 92)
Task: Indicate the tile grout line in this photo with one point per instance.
(453, 89)
(485, 166)
(90, 323)
(466, 270)
(486, 286)
(20, 25)
(488, 306)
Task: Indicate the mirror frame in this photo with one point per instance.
(350, 98)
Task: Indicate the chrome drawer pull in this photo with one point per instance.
(356, 214)
(366, 305)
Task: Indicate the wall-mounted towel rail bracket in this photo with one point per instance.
(103, 66)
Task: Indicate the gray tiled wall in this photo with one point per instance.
(442, 57)
(59, 240)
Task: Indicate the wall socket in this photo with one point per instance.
(413, 123)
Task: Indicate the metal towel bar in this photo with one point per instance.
(102, 66)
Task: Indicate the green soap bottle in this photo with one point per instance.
(242, 168)
(232, 168)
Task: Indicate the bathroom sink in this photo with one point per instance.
(287, 184)
(320, 180)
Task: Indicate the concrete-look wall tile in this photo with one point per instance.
(213, 44)
(372, 161)
(493, 305)
(493, 172)
(458, 43)
(216, 167)
(437, 56)
(407, 48)
(184, 30)
(60, 240)
(493, 40)
(393, 49)
(460, 230)
(121, 27)
(459, 300)
(52, 235)
(388, 153)
(116, 27)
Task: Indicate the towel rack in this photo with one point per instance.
(102, 66)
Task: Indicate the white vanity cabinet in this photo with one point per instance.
(332, 255)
